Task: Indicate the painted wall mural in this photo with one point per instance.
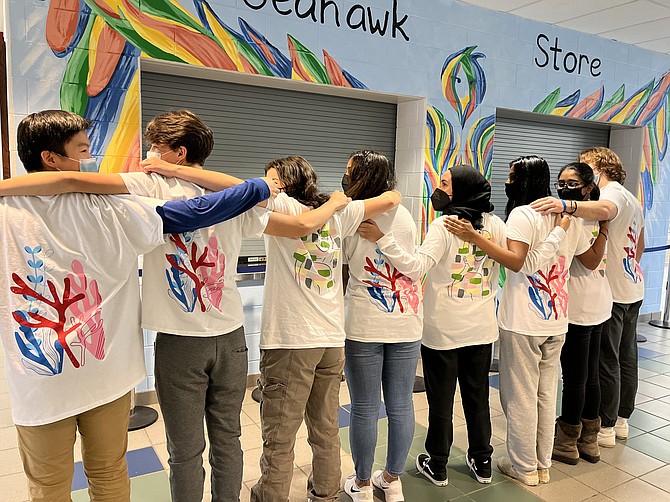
(103, 40)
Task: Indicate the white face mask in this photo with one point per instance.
(154, 155)
(596, 178)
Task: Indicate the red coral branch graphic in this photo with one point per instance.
(91, 334)
(195, 263)
(391, 275)
(60, 306)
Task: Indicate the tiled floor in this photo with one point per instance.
(635, 470)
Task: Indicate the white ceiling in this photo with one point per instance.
(645, 23)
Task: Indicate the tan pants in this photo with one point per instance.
(47, 452)
(299, 383)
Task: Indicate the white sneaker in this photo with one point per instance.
(543, 476)
(392, 491)
(528, 478)
(606, 437)
(621, 428)
(357, 493)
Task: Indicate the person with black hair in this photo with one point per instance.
(462, 284)
(383, 318)
(532, 316)
(590, 305)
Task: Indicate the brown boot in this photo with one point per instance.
(565, 442)
(588, 440)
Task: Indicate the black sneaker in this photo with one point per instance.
(423, 465)
(481, 469)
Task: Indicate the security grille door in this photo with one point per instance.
(253, 125)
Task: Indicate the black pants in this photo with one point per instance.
(618, 363)
(441, 369)
(579, 364)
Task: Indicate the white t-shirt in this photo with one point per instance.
(623, 271)
(71, 307)
(461, 285)
(381, 304)
(303, 305)
(188, 284)
(534, 301)
(589, 291)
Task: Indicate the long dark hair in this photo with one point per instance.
(585, 174)
(371, 174)
(530, 177)
(299, 180)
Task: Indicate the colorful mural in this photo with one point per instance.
(103, 40)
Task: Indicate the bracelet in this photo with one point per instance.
(565, 207)
(603, 234)
(575, 207)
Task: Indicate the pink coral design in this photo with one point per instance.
(90, 333)
(551, 286)
(213, 277)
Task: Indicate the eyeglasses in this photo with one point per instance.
(568, 184)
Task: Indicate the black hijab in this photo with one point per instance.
(471, 195)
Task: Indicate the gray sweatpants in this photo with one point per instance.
(528, 385)
(202, 379)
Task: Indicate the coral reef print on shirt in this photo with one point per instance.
(471, 271)
(388, 288)
(316, 259)
(631, 267)
(55, 325)
(548, 291)
(196, 276)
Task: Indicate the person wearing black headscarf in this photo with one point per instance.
(459, 317)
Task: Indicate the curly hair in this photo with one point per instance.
(372, 174)
(299, 180)
(606, 161)
(182, 128)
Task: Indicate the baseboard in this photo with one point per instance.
(649, 316)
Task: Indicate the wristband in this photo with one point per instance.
(575, 208)
(565, 207)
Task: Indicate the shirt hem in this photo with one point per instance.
(204, 334)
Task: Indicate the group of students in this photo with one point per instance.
(343, 292)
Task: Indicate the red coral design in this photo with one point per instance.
(391, 275)
(196, 262)
(60, 306)
(213, 277)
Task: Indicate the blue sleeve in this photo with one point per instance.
(187, 215)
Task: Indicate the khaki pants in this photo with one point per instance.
(297, 383)
(47, 452)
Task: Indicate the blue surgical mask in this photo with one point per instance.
(88, 165)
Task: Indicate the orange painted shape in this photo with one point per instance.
(61, 25)
(334, 71)
(109, 48)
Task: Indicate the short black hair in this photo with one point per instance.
(47, 130)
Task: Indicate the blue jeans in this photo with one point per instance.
(369, 368)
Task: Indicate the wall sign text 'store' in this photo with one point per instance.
(356, 17)
(568, 62)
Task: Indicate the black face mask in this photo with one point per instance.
(511, 190)
(440, 199)
(346, 183)
(571, 193)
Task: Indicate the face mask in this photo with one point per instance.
(440, 199)
(511, 190)
(153, 155)
(88, 165)
(346, 183)
(596, 178)
(571, 193)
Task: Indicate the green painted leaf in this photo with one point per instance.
(549, 103)
(311, 63)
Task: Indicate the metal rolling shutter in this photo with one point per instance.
(253, 125)
(558, 143)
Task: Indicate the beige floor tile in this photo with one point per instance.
(344, 394)
(302, 431)
(602, 477)
(652, 390)
(499, 427)
(156, 433)
(638, 491)
(8, 438)
(245, 419)
(420, 401)
(6, 418)
(658, 408)
(563, 488)
(162, 454)
(4, 401)
(14, 487)
(10, 462)
(251, 437)
(302, 452)
(253, 411)
(252, 469)
(600, 498)
(659, 478)
(628, 460)
(245, 494)
(138, 440)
